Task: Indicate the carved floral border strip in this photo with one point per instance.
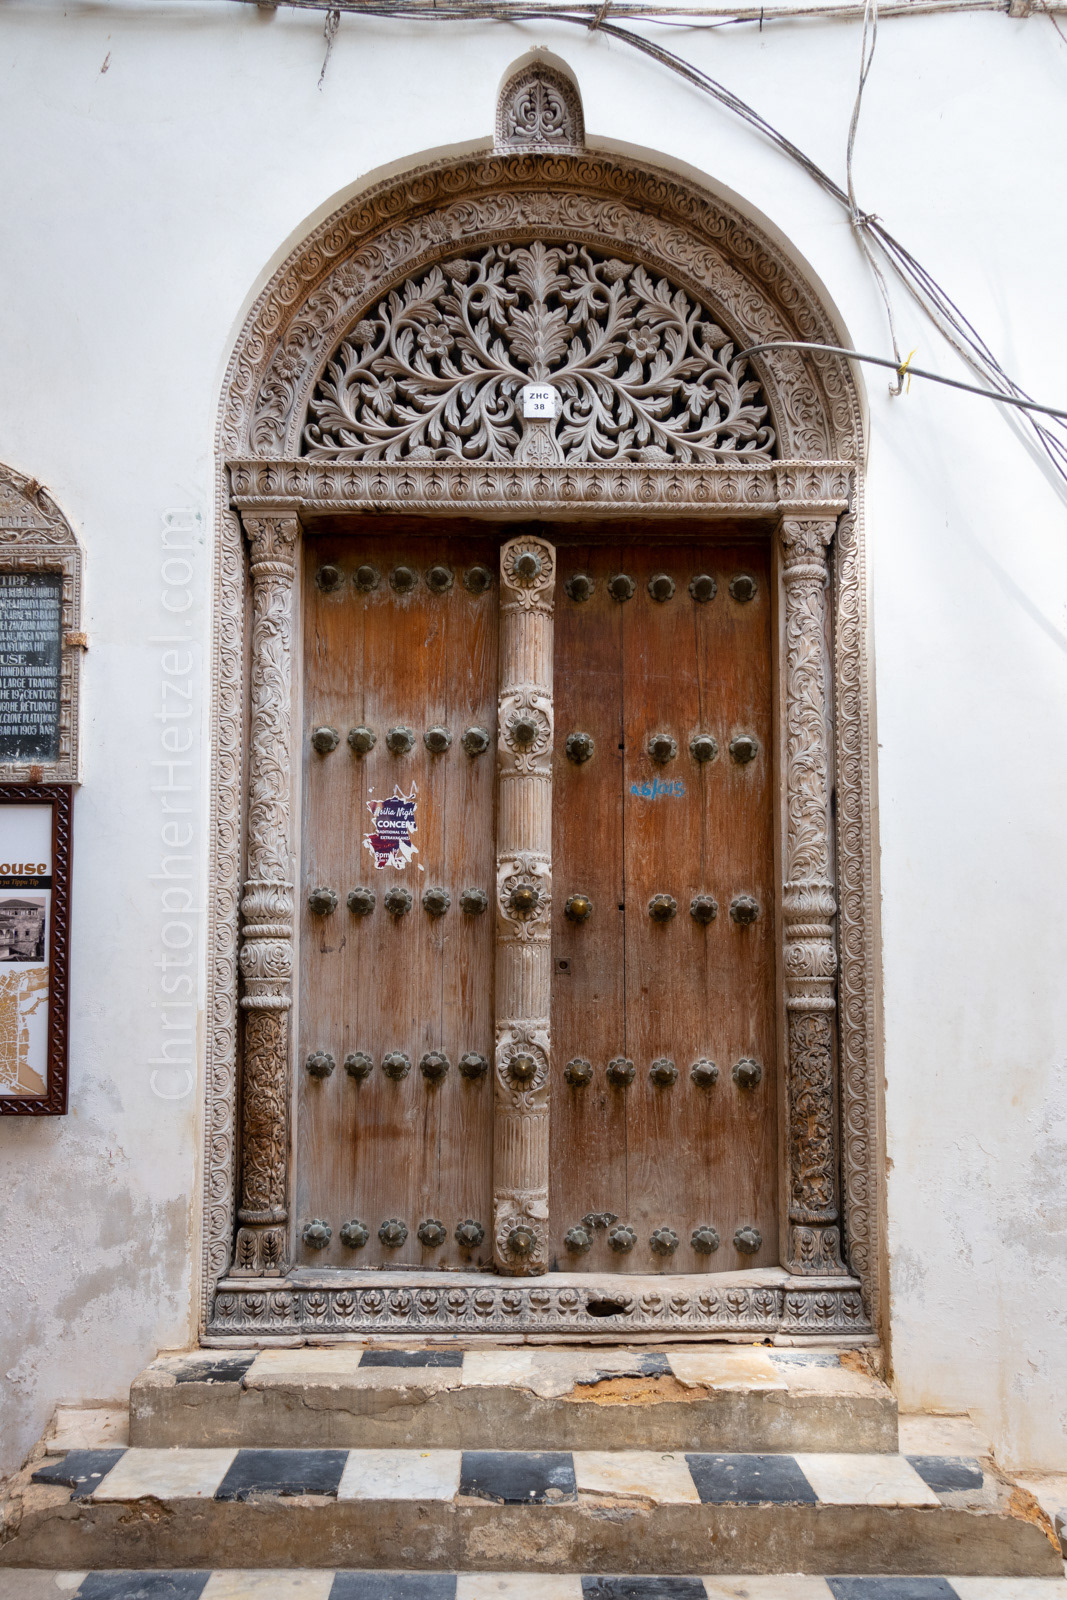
(273, 1309)
(811, 487)
(345, 265)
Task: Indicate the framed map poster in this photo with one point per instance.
(35, 839)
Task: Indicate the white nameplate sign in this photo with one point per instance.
(540, 400)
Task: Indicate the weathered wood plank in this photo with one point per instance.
(409, 1149)
(627, 828)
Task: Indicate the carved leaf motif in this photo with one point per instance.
(436, 369)
(265, 1121)
(811, 1113)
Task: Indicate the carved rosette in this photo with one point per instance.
(524, 905)
(809, 906)
(266, 958)
(526, 728)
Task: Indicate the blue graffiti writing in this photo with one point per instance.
(657, 790)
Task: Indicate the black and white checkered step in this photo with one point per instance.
(516, 1477)
(443, 1510)
(350, 1585)
(725, 1366)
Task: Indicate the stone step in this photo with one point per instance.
(553, 1512)
(352, 1585)
(722, 1397)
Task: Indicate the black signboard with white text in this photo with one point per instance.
(31, 646)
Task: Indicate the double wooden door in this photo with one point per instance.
(663, 1143)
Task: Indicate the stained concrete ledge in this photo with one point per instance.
(472, 1536)
(697, 1398)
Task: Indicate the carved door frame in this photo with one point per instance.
(828, 905)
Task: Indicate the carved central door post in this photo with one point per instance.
(267, 908)
(524, 907)
(809, 906)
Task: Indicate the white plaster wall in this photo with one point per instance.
(156, 161)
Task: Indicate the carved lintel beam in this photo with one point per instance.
(266, 957)
(739, 485)
(524, 907)
(809, 905)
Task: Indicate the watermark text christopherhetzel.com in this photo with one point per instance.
(176, 773)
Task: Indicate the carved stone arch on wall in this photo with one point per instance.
(398, 234)
(616, 207)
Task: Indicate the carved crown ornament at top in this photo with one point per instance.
(539, 109)
(641, 370)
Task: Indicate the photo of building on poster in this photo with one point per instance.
(23, 920)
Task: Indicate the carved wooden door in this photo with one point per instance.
(395, 1032)
(663, 991)
(651, 827)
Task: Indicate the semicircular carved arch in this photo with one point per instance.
(609, 208)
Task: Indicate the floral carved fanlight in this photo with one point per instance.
(436, 370)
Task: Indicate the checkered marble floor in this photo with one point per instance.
(26, 1585)
(517, 1477)
(544, 1371)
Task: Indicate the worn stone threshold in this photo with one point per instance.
(462, 1394)
(327, 1305)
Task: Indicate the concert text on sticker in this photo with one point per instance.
(389, 840)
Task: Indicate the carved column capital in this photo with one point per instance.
(266, 955)
(806, 541)
(809, 905)
(273, 538)
(524, 904)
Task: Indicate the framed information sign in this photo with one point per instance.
(34, 938)
(31, 652)
(41, 642)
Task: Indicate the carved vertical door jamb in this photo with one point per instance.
(809, 906)
(524, 907)
(266, 957)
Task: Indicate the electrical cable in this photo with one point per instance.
(856, 217)
(903, 369)
(928, 294)
(681, 16)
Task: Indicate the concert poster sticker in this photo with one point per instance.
(394, 823)
(25, 947)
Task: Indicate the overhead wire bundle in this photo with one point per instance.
(1045, 423)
